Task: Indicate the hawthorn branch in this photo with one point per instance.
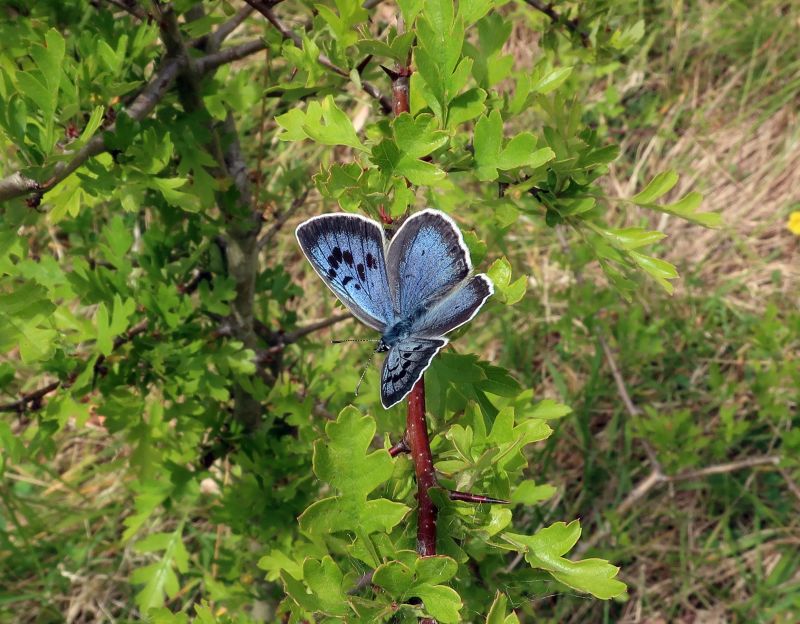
(216, 38)
(33, 400)
(129, 6)
(242, 221)
(18, 185)
(280, 219)
(265, 8)
(571, 24)
(417, 436)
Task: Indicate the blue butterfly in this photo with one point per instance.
(413, 290)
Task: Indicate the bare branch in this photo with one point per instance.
(656, 477)
(571, 24)
(278, 340)
(216, 38)
(17, 185)
(33, 400)
(129, 6)
(280, 219)
(265, 8)
(630, 407)
(399, 448)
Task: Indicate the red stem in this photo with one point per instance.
(417, 437)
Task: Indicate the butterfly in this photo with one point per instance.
(413, 290)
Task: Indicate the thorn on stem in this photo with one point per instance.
(466, 497)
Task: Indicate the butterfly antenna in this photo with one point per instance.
(355, 340)
(364, 371)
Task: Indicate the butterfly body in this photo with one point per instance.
(413, 290)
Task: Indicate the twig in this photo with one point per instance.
(656, 477)
(17, 185)
(622, 390)
(265, 8)
(130, 7)
(571, 24)
(280, 219)
(212, 61)
(399, 448)
(33, 400)
(301, 332)
(216, 38)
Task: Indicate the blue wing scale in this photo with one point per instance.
(347, 251)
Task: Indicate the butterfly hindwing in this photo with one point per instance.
(347, 251)
(426, 259)
(404, 365)
(457, 308)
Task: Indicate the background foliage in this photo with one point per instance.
(171, 405)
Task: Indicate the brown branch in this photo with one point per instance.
(17, 185)
(571, 24)
(622, 390)
(417, 437)
(216, 38)
(265, 8)
(280, 219)
(656, 477)
(129, 6)
(399, 448)
(33, 400)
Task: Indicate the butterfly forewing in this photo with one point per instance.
(404, 365)
(457, 308)
(427, 258)
(347, 251)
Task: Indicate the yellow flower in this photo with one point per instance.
(794, 222)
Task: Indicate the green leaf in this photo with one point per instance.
(417, 137)
(548, 409)
(528, 493)
(497, 612)
(105, 340)
(424, 581)
(660, 270)
(630, 238)
(324, 579)
(342, 461)
(50, 58)
(658, 186)
(159, 578)
(546, 80)
(686, 208)
(519, 152)
(545, 548)
(323, 122)
(500, 273)
(95, 119)
(466, 106)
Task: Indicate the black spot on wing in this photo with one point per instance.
(347, 280)
(337, 254)
(348, 257)
(371, 262)
(362, 274)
